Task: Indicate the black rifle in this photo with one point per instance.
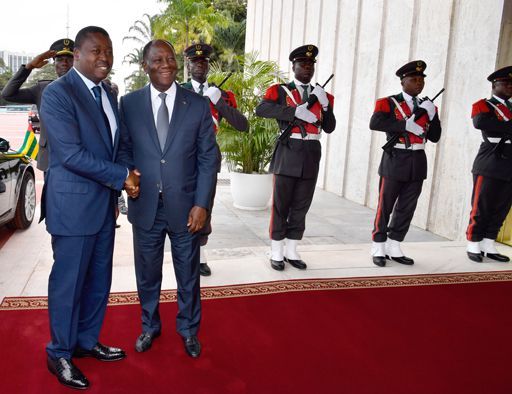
(225, 79)
(418, 113)
(285, 135)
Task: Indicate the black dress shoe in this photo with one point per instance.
(496, 257)
(402, 260)
(278, 265)
(204, 270)
(299, 264)
(192, 346)
(379, 260)
(145, 340)
(475, 257)
(101, 352)
(67, 373)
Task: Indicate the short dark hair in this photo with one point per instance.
(81, 36)
(148, 46)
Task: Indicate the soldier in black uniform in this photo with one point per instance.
(404, 167)
(223, 106)
(62, 53)
(296, 160)
(492, 169)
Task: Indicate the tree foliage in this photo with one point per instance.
(251, 151)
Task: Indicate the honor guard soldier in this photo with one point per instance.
(62, 53)
(223, 106)
(492, 169)
(296, 158)
(408, 124)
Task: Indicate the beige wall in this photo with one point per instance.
(363, 42)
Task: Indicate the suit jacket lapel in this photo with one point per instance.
(149, 118)
(178, 113)
(85, 97)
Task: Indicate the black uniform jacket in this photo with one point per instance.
(31, 95)
(402, 165)
(297, 158)
(224, 109)
(493, 160)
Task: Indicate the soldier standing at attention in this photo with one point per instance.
(296, 160)
(492, 169)
(62, 53)
(404, 167)
(223, 106)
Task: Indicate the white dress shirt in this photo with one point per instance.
(107, 108)
(196, 85)
(408, 100)
(157, 101)
(298, 85)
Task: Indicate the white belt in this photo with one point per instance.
(495, 140)
(298, 136)
(412, 147)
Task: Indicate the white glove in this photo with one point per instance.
(429, 107)
(303, 113)
(413, 127)
(213, 94)
(319, 92)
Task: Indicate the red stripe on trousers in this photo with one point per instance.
(272, 207)
(379, 208)
(474, 209)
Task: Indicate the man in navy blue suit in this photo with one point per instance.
(83, 181)
(167, 134)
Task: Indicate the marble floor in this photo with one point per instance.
(336, 245)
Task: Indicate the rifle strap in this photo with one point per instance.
(287, 91)
(498, 111)
(399, 108)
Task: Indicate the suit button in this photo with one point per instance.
(162, 161)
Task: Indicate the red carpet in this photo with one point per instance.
(371, 335)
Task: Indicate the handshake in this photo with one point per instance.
(131, 183)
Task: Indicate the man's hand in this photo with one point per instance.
(413, 127)
(196, 219)
(131, 184)
(319, 92)
(429, 107)
(40, 60)
(303, 113)
(213, 93)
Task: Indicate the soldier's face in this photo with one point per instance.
(160, 65)
(198, 69)
(95, 57)
(63, 64)
(413, 85)
(503, 89)
(303, 70)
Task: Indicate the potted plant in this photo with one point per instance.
(248, 153)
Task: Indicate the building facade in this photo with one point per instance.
(14, 60)
(363, 42)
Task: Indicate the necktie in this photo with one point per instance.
(305, 94)
(201, 89)
(509, 105)
(162, 121)
(414, 104)
(97, 96)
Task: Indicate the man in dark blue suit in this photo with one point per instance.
(167, 134)
(83, 181)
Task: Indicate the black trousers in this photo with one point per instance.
(291, 201)
(399, 198)
(207, 228)
(490, 204)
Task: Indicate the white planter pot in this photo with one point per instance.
(251, 191)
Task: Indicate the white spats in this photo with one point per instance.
(202, 255)
(291, 249)
(378, 249)
(487, 246)
(393, 248)
(276, 249)
(473, 247)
